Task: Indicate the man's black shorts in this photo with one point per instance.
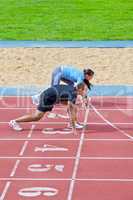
(47, 100)
(56, 94)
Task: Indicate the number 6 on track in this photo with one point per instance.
(38, 191)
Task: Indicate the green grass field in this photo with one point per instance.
(66, 19)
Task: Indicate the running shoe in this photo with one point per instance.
(13, 124)
(77, 126)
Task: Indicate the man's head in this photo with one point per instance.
(88, 74)
(81, 89)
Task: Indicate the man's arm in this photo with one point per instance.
(72, 110)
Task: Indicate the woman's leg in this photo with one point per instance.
(56, 76)
(68, 82)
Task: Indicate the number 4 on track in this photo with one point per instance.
(47, 147)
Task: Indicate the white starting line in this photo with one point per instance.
(68, 179)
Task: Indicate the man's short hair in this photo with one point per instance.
(81, 86)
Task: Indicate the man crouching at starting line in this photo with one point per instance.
(64, 94)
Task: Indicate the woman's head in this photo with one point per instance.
(88, 84)
(88, 74)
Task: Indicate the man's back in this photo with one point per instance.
(62, 93)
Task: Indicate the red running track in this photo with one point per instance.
(46, 161)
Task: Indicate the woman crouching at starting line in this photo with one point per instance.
(69, 75)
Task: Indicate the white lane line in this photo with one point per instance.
(108, 139)
(34, 179)
(25, 157)
(101, 109)
(67, 158)
(2, 197)
(106, 158)
(35, 139)
(111, 124)
(22, 152)
(63, 139)
(23, 148)
(31, 130)
(108, 180)
(16, 164)
(63, 179)
(26, 142)
(15, 168)
(77, 160)
(66, 123)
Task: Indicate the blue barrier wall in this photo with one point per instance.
(68, 44)
(97, 90)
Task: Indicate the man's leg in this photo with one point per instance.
(26, 118)
(72, 111)
(31, 117)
